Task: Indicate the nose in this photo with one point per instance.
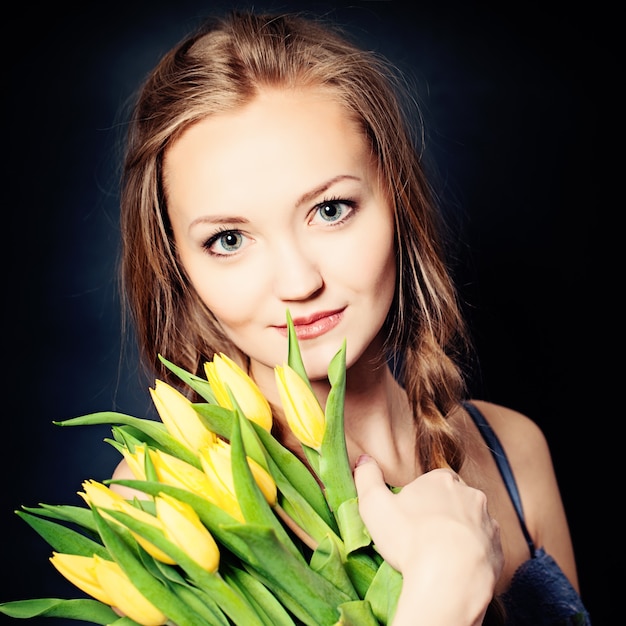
(296, 271)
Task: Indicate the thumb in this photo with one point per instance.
(368, 477)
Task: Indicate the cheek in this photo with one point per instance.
(232, 296)
(369, 260)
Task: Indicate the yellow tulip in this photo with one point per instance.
(99, 495)
(105, 581)
(303, 411)
(217, 464)
(80, 571)
(136, 461)
(173, 471)
(179, 417)
(125, 595)
(215, 461)
(170, 470)
(223, 373)
(183, 527)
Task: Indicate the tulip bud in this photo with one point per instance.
(105, 581)
(302, 409)
(80, 571)
(173, 471)
(179, 417)
(183, 527)
(223, 374)
(136, 461)
(125, 595)
(217, 464)
(100, 496)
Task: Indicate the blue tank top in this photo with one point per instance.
(540, 594)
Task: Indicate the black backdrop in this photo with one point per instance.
(512, 100)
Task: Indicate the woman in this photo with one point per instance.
(270, 166)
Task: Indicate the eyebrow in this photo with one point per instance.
(309, 195)
(218, 219)
(303, 199)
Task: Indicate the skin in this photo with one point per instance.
(454, 546)
(249, 198)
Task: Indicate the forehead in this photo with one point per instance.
(280, 133)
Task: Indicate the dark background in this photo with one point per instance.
(513, 99)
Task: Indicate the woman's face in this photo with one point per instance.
(277, 206)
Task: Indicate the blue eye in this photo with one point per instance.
(224, 243)
(331, 211)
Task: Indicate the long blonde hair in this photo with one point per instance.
(219, 68)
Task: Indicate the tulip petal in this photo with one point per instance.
(80, 571)
(302, 409)
(179, 417)
(224, 374)
(216, 463)
(183, 527)
(125, 596)
(172, 471)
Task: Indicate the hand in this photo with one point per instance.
(438, 533)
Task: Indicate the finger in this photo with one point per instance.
(448, 470)
(368, 476)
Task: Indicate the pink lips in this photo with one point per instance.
(314, 325)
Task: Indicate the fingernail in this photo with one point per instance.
(364, 458)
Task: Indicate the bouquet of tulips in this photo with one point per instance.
(228, 526)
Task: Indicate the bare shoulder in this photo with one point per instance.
(519, 434)
(527, 450)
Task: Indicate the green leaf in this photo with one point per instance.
(335, 470)
(294, 356)
(353, 531)
(357, 613)
(80, 515)
(86, 610)
(282, 572)
(63, 539)
(362, 566)
(201, 604)
(130, 436)
(384, 592)
(216, 418)
(153, 429)
(254, 506)
(199, 385)
(328, 561)
(303, 514)
(269, 608)
(295, 472)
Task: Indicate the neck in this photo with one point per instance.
(379, 422)
(377, 419)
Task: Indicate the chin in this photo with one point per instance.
(316, 362)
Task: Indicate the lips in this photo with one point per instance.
(314, 325)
